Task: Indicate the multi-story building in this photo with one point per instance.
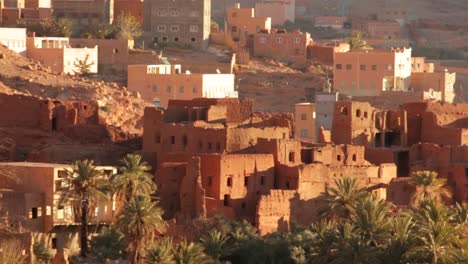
(325, 53)
(33, 201)
(369, 72)
(280, 11)
(218, 157)
(59, 55)
(12, 12)
(243, 22)
(14, 39)
(304, 122)
(376, 29)
(85, 13)
(184, 22)
(442, 82)
(277, 43)
(159, 83)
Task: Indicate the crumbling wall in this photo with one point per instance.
(274, 211)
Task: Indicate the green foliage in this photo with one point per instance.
(429, 186)
(191, 253)
(127, 27)
(99, 31)
(161, 252)
(83, 67)
(133, 178)
(11, 252)
(109, 244)
(85, 185)
(62, 27)
(124, 27)
(315, 32)
(140, 222)
(42, 253)
(356, 41)
(339, 200)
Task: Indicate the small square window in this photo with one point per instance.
(154, 88)
(279, 40)
(348, 66)
(229, 181)
(339, 66)
(169, 89)
(181, 89)
(304, 132)
(362, 67)
(195, 89)
(374, 67)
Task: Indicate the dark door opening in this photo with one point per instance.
(306, 156)
(54, 124)
(402, 163)
(377, 140)
(392, 139)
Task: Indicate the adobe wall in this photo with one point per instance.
(51, 57)
(236, 110)
(273, 211)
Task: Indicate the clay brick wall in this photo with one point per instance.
(236, 110)
(290, 46)
(274, 211)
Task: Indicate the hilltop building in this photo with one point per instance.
(184, 22)
(159, 83)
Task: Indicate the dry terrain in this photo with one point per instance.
(119, 107)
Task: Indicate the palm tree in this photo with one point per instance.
(340, 200)
(435, 238)
(161, 252)
(428, 186)
(140, 221)
(85, 186)
(400, 238)
(191, 253)
(355, 41)
(133, 178)
(215, 244)
(371, 218)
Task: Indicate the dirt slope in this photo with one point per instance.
(119, 107)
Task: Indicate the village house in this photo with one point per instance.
(85, 13)
(304, 121)
(280, 11)
(57, 53)
(33, 202)
(442, 82)
(14, 39)
(175, 22)
(369, 72)
(280, 44)
(12, 12)
(325, 53)
(159, 83)
(374, 29)
(240, 23)
(336, 22)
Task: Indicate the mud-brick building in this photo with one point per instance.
(33, 201)
(418, 136)
(218, 157)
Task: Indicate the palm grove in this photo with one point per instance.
(355, 226)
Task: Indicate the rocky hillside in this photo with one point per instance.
(118, 107)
